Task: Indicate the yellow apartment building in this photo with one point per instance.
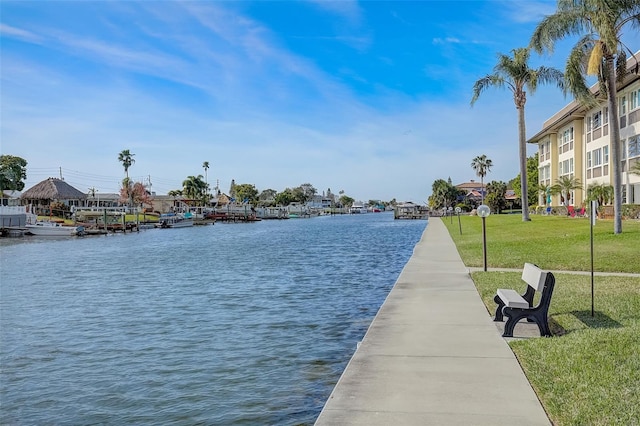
(576, 142)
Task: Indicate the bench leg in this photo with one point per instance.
(498, 316)
(515, 314)
(512, 320)
(543, 323)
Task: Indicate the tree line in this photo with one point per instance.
(445, 194)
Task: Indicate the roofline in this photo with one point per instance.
(575, 110)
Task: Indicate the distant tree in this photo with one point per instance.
(246, 192)
(308, 190)
(515, 73)
(13, 170)
(285, 197)
(205, 166)
(496, 191)
(267, 197)
(194, 188)
(481, 165)
(175, 193)
(134, 193)
(635, 169)
(126, 158)
(346, 201)
(532, 184)
(443, 194)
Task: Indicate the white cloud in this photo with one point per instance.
(9, 31)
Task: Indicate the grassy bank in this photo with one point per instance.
(589, 372)
(551, 242)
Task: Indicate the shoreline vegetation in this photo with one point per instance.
(588, 373)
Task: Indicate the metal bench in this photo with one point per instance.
(516, 307)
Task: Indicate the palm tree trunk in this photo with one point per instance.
(522, 139)
(616, 167)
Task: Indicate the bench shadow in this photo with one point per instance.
(599, 320)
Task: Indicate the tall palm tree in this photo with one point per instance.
(514, 72)
(599, 51)
(205, 166)
(126, 158)
(481, 165)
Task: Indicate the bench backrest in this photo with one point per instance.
(534, 276)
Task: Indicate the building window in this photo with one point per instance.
(597, 157)
(589, 164)
(605, 115)
(597, 119)
(566, 167)
(623, 105)
(566, 141)
(605, 154)
(634, 146)
(633, 100)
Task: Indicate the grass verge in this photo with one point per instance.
(556, 243)
(589, 372)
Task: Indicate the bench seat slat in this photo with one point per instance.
(512, 299)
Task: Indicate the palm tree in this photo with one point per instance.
(126, 158)
(481, 165)
(205, 166)
(546, 191)
(194, 187)
(599, 51)
(564, 185)
(514, 72)
(600, 192)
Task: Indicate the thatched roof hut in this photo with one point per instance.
(53, 189)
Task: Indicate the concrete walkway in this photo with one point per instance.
(432, 355)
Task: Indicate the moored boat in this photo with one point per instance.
(53, 229)
(175, 221)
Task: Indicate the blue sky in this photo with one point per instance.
(369, 97)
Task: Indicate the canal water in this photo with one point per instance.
(232, 324)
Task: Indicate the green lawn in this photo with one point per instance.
(589, 372)
(551, 242)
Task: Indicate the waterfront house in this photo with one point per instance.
(52, 190)
(10, 198)
(474, 191)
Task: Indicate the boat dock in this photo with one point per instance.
(432, 354)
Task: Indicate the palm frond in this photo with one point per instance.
(565, 22)
(576, 70)
(484, 83)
